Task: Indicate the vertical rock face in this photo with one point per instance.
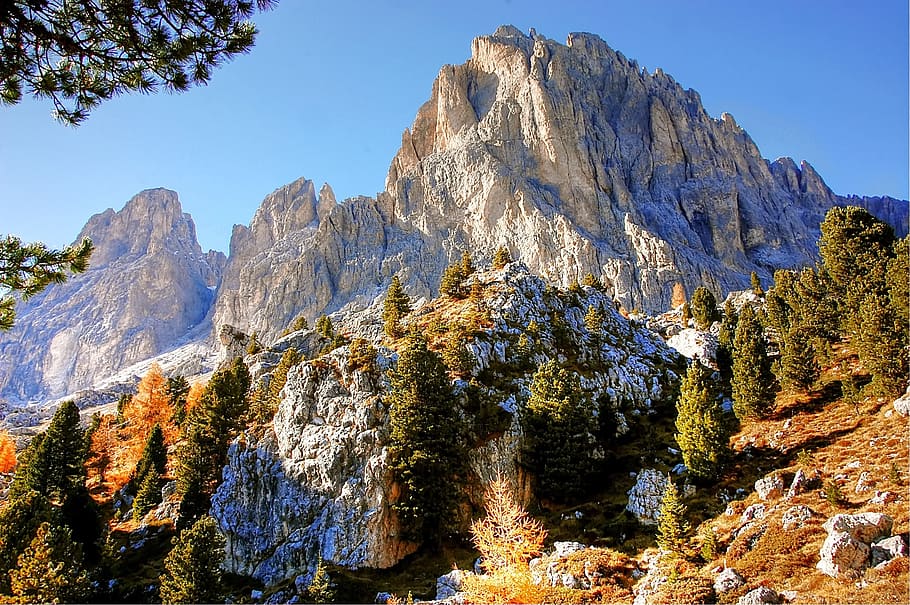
(572, 156)
(149, 284)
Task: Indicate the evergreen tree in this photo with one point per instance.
(753, 382)
(672, 526)
(397, 304)
(594, 321)
(55, 464)
(725, 336)
(501, 258)
(50, 569)
(192, 570)
(80, 54)
(30, 268)
(208, 431)
(178, 388)
(450, 284)
(456, 355)
(592, 282)
(703, 307)
(320, 589)
(755, 284)
(154, 458)
(881, 342)
(703, 436)
(798, 364)
(254, 345)
(425, 452)
(559, 425)
(20, 517)
(467, 264)
(148, 495)
(265, 404)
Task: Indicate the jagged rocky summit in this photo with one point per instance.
(572, 156)
(314, 483)
(148, 287)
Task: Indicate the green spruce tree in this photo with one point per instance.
(703, 307)
(320, 589)
(20, 517)
(192, 570)
(154, 458)
(425, 450)
(703, 434)
(672, 526)
(148, 495)
(397, 304)
(753, 382)
(798, 364)
(559, 426)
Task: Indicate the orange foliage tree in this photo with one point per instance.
(7, 453)
(507, 538)
(117, 445)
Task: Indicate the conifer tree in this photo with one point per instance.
(254, 345)
(425, 453)
(594, 320)
(154, 458)
(798, 364)
(20, 517)
(450, 284)
(725, 336)
(50, 569)
(320, 589)
(30, 268)
(703, 307)
(672, 526)
(456, 355)
(501, 258)
(753, 382)
(592, 282)
(397, 304)
(192, 570)
(467, 264)
(208, 431)
(559, 425)
(755, 284)
(55, 462)
(148, 495)
(702, 434)
(265, 404)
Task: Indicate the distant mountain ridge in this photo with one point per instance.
(570, 155)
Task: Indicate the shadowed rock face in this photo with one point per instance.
(570, 155)
(148, 286)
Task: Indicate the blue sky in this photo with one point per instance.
(331, 85)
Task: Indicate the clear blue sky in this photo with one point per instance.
(331, 85)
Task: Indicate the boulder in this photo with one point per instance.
(888, 548)
(760, 595)
(727, 580)
(795, 516)
(864, 527)
(752, 512)
(770, 486)
(449, 584)
(841, 552)
(646, 495)
(902, 404)
(803, 482)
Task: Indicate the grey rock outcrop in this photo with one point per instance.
(848, 547)
(315, 482)
(646, 495)
(759, 596)
(148, 287)
(727, 580)
(570, 155)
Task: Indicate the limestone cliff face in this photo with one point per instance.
(572, 156)
(315, 483)
(149, 285)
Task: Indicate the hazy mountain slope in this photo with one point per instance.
(148, 286)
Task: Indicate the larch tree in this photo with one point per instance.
(27, 269)
(702, 430)
(753, 382)
(7, 453)
(507, 538)
(425, 450)
(78, 54)
(192, 570)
